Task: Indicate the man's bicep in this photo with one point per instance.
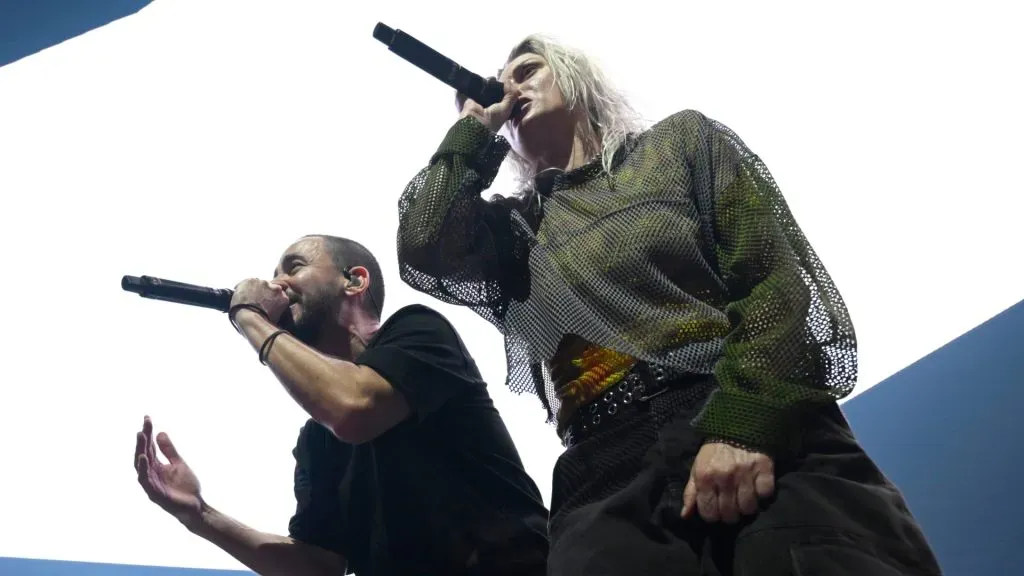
(426, 366)
(421, 358)
(379, 408)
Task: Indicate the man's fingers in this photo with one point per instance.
(746, 496)
(142, 467)
(140, 448)
(689, 499)
(167, 448)
(277, 288)
(149, 486)
(147, 433)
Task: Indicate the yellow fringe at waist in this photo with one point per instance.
(600, 369)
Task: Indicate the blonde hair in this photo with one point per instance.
(611, 119)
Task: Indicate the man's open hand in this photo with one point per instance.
(727, 482)
(172, 486)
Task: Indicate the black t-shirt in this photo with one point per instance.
(443, 492)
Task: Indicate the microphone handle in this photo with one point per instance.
(483, 91)
(178, 292)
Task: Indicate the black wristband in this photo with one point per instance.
(265, 349)
(234, 310)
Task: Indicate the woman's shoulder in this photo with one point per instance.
(687, 130)
(688, 120)
(696, 129)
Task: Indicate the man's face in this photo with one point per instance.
(313, 285)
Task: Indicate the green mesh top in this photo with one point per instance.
(684, 254)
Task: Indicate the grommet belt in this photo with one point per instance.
(642, 384)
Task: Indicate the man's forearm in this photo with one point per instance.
(265, 554)
(319, 384)
(354, 402)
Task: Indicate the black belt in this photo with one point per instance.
(640, 385)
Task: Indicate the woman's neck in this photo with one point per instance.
(585, 145)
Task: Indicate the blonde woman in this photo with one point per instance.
(657, 295)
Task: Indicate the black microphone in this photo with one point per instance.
(178, 292)
(484, 91)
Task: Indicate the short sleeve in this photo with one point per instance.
(419, 353)
(320, 462)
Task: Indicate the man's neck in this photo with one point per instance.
(360, 335)
(348, 338)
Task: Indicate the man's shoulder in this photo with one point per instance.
(417, 317)
(428, 335)
(416, 311)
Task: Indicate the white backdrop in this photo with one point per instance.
(195, 140)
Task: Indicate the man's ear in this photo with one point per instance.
(358, 279)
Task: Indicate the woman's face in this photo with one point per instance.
(540, 117)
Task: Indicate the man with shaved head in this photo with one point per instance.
(405, 466)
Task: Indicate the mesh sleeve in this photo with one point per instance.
(791, 341)
(453, 244)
